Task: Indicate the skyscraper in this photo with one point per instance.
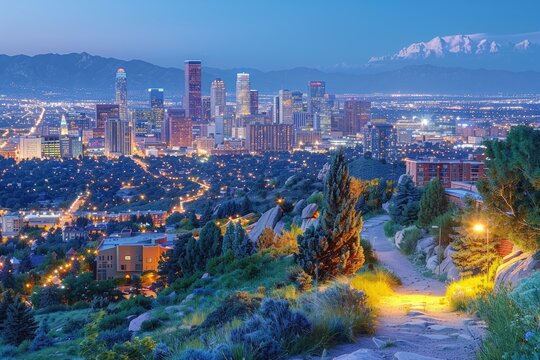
(121, 93)
(254, 102)
(192, 88)
(217, 98)
(104, 112)
(275, 109)
(316, 92)
(158, 110)
(357, 115)
(179, 128)
(274, 137)
(242, 94)
(380, 140)
(29, 147)
(297, 101)
(206, 108)
(118, 137)
(285, 107)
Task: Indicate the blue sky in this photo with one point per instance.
(254, 33)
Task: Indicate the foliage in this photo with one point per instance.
(151, 324)
(433, 203)
(375, 284)
(404, 205)
(474, 254)
(462, 293)
(333, 247)
(511, 190)
(266, 239)
(161, 351)
(115, 336)
(228, 238)
(42, 340)
(369, 253)
(447, 225)
(19, 324)
(411, 235)
(242, 245)
(527, 294)
(237, 305)
(301, 280)
(316, 198)
(390, 228)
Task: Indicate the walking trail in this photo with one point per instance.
(415, 323)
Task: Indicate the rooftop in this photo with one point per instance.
(144, 239)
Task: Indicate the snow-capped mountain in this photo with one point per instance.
(503, 51)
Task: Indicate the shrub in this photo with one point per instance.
(161, 351)
(411, 235)
(527, 294)
(113, 321)
(369, 254)
(236, 305)
(375, 284)
(8, 351)
(42, 339)
(196, 354)
(73, 326)
(111, 337)
(134, 301)
(391, 228)
(462, 293)
(301, 279)
(151, 324)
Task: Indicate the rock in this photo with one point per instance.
(310, 216)
(188, 298)
(174, 308)
(403, 355)
(362, 354)
(417, 323)
(299, 206)
(516, 268)
(268, 220)
(135, 324)
(436, 336)
(448, 251)
(278, 229)
(448, 267)
(205, 275)
(416, 313)
(171, 297)
(440, 328)
(398, 238)
(380, 344)
(432, 262)
(425, 245)
(449, 346)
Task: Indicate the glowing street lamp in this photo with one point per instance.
(480, 228)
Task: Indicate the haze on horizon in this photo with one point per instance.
(264, 35)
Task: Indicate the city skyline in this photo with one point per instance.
(349, 33)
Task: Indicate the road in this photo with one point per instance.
(67, 216)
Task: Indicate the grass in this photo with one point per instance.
(462, 293)
(376, 284)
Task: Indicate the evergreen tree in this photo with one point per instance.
(432, 203)
(209, 243)
(228, 238)
(246, 206)
(49, 296)
(7, 299)
(42, 339)
(242, 246)
(20, 324)
(333, 247)
(474, 255)
(170, 265)
(404, 204)
(6, 275)
(25, 264)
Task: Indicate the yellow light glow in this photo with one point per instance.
(479, 227)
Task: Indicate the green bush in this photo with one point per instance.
(411, 235)
(236, 305)
(391, 228)
(527, 294)
(464, 292)
(369, 254)
(151, 324)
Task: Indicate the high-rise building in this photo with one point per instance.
(76, 122)
(275, 109)
(297, 101)
(356, 115)
(206, 108)
(446, 170)
(29, 147)
(104, 112)
(157, 111)
(121, 93)
(217, 98)
(254, 102)
(285, 107)
(316, 92)
(193, 88)
(118, 137)
(243, 86)
(179, 128)
(50, 147)
(71, 147)
(380, 140)
(273, 137)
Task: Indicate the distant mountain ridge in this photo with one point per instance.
(85, 76)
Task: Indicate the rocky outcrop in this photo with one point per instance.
(268, 220)
(310, 216)
(135, 324)
(515, 267)
(425, 245)
(299, 206)
(362, 354)
(398, 238)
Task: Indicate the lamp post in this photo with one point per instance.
(480, 228)
(440, 239)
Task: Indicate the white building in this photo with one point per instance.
(29, 147)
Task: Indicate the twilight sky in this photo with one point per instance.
(274, 34)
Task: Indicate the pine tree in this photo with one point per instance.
(242, 246)
(474, 255)
(333, 247)
(433, 203)
(228, 238)
(170, 266)
(7, 299)
(25, 265)
(404, 204)
(42, 339)
(209, 243)
(6, 275)
(245, 206)
(20, 324)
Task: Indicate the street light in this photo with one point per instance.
(480, 228)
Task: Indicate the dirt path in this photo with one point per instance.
(416, 323)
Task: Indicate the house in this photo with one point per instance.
(73, 232)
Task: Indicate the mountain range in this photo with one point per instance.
(85, 76)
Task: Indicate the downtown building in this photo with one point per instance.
(192, 89)
(218, 94)
(446, 170)
(179, 129)
(380, 141)
(121, 93)
(356, 115)
(243, 89)
(118, 138)
(157, 111)
(269, 137)
(29, 148)
(104, 112)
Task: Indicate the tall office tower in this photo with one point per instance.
(219, 130)
(254, 102)
(29, 147)
(192, 88)
(297, 101)
(121, 93)
(104, 112)
(380, 140)
(275, 109)
(285, 107)
(118, 137)
(71, 147)
(274, 137)
(143, 121)
(50, 147)
(179, 128)
(157, 111)
(76, 122)
(357, 115)
(217, 98)
(316, 92)
(242, 94)
(206, 108)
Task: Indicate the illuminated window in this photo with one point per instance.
(127, 257)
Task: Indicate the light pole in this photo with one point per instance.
(480, 228)
(440, 239)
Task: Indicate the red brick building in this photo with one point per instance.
(422, 171)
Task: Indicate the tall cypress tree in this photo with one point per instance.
(405, 202)
(228, 238)
(242, 246)
(20, 324)
(333, 247)
(432, 203)
(42, 339)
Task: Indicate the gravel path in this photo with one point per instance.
(416, 323)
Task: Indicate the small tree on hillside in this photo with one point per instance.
(433, 203)
(7, 299)
(42, 339)
(228, 238)
(474, 255)
(333, 247)
(404, 205)
(20, 324)
(242, 245)
(266, 239)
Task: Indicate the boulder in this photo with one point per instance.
(268, 220)
(299, 206)
(135, 324)
(310, 216)
(403, 355)
(278, 229)
(448, 267)
(432, 262)
(398, 238)
(515, 269)
(361, 354)
(425, 245)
